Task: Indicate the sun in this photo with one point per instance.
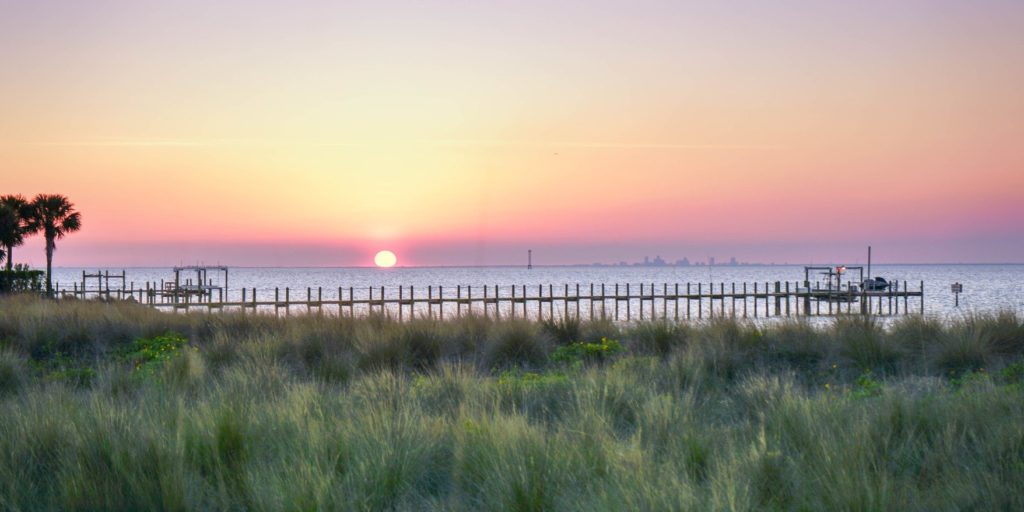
(385, 259)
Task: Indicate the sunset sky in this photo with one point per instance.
(464, 133)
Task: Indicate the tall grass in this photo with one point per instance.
(325, 413)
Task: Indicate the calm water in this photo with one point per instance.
(986, 287)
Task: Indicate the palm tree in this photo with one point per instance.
(8, 227)
(55, 216)
(14, 235)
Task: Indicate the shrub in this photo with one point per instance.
(796, 343)
(21, 280)
(965, 347)
(1013, 374)
(517, 343)
(862, 340)
(581, 352)
(149, 355)
(564, 330)
(13, 372)
(660, 338)
(866, 386)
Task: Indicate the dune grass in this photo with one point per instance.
(119, 407)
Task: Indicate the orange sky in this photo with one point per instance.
(463, 134)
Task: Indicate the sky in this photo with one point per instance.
(464, 133)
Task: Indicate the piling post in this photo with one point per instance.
(676, 305)
(664, 302)
(551, 302)
(897, 296)
(577, 301)
(889, 295)
(642, 301)
(732, 308)
(699, 296)
(778, 299)
(687, 301)
(616, 302)
(629, 304)
(922, 297)
(565, 301)
(591, 302)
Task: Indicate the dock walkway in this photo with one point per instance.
(619, 302)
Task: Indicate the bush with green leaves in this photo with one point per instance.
(149, 355)
(583, 352)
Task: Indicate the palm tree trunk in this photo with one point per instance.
(10, 251)
(49, 267)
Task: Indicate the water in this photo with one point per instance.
(987, 288)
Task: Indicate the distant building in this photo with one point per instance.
(685, 262)
(732, 262)
(711, 261)
(658, 262)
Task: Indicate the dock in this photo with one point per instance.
(617, 302)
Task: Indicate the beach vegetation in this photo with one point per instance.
(110, 405)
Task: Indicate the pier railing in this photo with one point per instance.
(618, 302)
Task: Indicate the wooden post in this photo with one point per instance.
(677, 302)
(440, 302)
(787, 298)
(526, 313)
(565, 302)
(711, 300)
(616, 302)
(745, 295)
(687, 301)
(485, 301)
(400, 303)
(897, 297)
(889, 294)
(458, 301)
(700, 301)
(642, 301)
(664, 302)
(551, 302)
(721, 302)
(733, 301)
(591, 302)
(629, 304)
(540, 302)
(778, 300)
(577, 301)
(922, 297)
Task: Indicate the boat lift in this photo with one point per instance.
(833, 289)
(202, 287)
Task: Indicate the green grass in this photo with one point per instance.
(119, 407)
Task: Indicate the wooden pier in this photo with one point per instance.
(617, 302)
